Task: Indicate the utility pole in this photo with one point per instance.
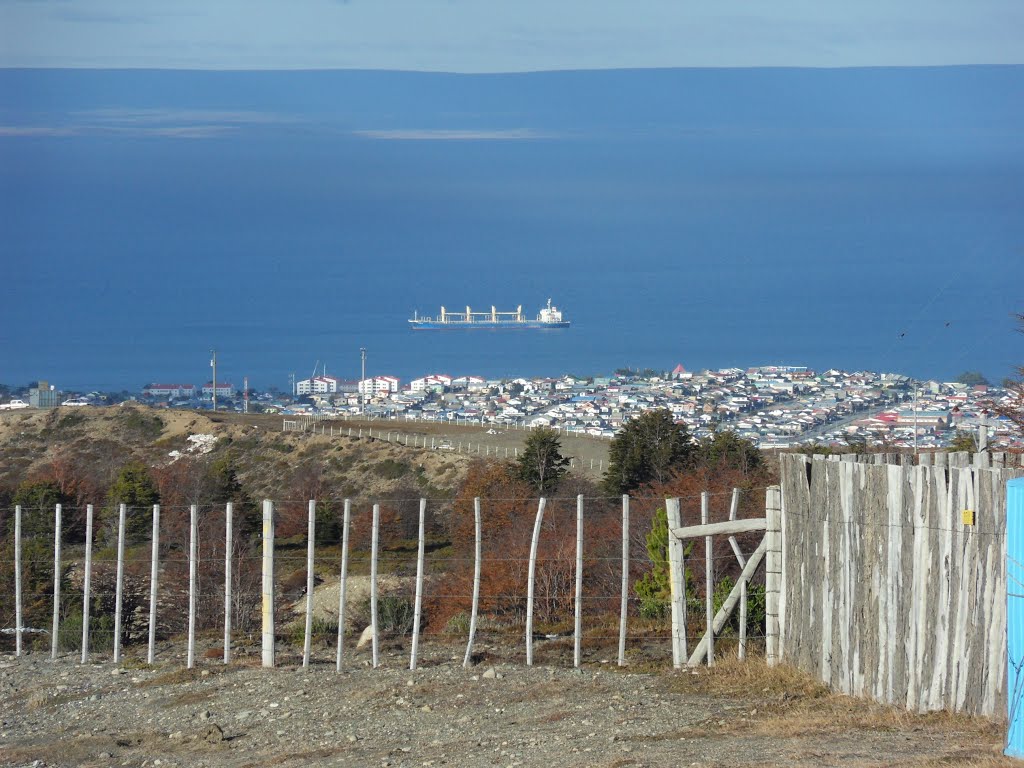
(245, 394)
(213, 364)
(291, 382)
(362, 381)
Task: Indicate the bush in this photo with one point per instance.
(755, 607)
(394, 614)
(457, 624)
(324, 629)
(390, 469)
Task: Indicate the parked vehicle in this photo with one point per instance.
(13, 405)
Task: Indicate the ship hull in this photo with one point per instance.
(426, 325)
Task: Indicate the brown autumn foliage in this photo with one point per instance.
(508, 512)
(718, 479)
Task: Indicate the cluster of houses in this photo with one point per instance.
(775, 406)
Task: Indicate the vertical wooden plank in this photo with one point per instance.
(374, 551)
(624, 603)
(997, 692)
(677, 584)
(307, 642)
(709, 581)
(418, 605)
(531, 576)
(476, 582)
(229, 517)
(119, 586)
(773, 571)
(268, 585)
(154, 576)
(342, 584)
(577, 656)
(87, 583)
(18, 626)
(193, 558)
(57, 573)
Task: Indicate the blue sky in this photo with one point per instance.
(490, 36)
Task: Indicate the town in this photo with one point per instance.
(775, 407)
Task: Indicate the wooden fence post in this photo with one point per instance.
(531, 579)
(577, 654)
(709, 586)
(154, 575)
(418, 605)
(18, 628)
(374, 545)
(733, 509)
(342, 584)
(677, 584)
(119, 586)
(268, 583)
(229, 545)
(87, 583)
(55, 632)
(476, 584)
(624, 607)
(310, 562)
(193, 581)
(773, 573)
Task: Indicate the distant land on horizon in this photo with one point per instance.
(863, 218)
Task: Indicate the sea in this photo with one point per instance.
(862, 219)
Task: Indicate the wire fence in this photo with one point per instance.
(591, 574)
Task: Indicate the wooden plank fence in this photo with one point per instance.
(888, 588)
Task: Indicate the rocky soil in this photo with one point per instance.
(496, 713)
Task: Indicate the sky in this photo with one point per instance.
(491, 36)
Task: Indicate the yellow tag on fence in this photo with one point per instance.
(968, 515)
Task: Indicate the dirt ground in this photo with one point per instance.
(498, 712)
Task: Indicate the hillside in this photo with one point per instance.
(86, 447)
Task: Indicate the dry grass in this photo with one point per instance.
(783, 703)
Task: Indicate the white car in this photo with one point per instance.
(75, 401)
(13, 405)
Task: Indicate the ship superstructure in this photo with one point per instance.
(549, 317)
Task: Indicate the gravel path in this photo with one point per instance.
(495, 714)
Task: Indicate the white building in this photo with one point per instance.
(169, 390)
(378, 385)
(224, 389)
(430, 381)
(318, 385)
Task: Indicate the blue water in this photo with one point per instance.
(861, 219)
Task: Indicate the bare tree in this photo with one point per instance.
(1012, 407)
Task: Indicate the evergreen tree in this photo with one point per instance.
(135, 488)
(37, 499)
(727, 449)
(649, 448)
(541, 463)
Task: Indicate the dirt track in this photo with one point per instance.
(497, 713)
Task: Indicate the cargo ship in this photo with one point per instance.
(549, 317)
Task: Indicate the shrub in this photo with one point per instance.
(390, 469)
(323, 629)
(394, 614)
(457, 624)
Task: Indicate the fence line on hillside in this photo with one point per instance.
(478, 448)
(304, 421)
(557, 577)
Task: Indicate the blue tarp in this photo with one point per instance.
(1015, 617)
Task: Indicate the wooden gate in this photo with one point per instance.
(769, 551)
